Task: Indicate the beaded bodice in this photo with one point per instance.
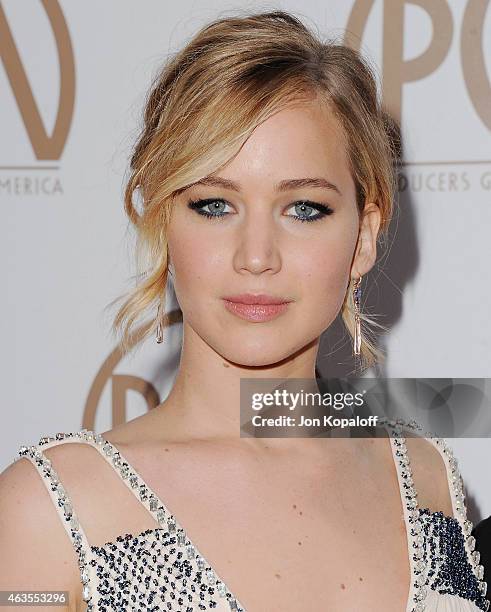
(161, 569)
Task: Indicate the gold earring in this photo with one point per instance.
(356, 300)
(160, 329)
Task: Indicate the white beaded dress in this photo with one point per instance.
(161, 569)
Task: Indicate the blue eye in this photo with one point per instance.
(305, 207)
(215, 204)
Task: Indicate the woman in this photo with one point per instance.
(265, 167)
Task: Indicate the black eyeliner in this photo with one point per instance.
(198, 205)
(322, 208)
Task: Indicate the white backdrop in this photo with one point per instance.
(65, 252)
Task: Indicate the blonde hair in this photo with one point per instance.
(204, 104)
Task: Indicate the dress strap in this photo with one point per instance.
(412, 511)
(159, 511)
(147, 497)
(456, 489)
(64, 506)
(135, 483)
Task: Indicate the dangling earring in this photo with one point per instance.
(160, 327)
(356, 300)
(160, 330)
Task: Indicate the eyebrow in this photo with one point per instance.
(287, 184)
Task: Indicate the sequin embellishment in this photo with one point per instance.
(158, 569)
(443, 557)
(161, 569)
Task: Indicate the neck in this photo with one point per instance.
(204, 402)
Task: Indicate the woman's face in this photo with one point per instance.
(255, 240)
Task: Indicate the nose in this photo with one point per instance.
(257, 248)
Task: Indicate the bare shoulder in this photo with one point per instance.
(36, 552)
(430, 474)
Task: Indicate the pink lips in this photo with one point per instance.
(256, 307)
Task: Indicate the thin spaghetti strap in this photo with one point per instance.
(411, 515)
(455, 487)
(454, 479)
(154, 505)
(166, 520)
(135, 483)
(455, 482)
(63, 505)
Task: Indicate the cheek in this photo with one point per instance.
(322, 271)
(196, 260)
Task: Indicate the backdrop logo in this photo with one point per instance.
(396, 72)
(44, 145)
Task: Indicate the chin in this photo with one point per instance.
(262, 353)
(253, 360)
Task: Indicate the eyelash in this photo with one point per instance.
(322, 209)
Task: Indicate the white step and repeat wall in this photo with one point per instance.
(73, 78)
